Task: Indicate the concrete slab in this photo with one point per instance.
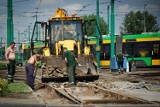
(30, 99)
(145, 94)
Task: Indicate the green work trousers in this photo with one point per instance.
(71, 73)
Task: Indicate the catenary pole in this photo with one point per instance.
(10, 36)
(108, 19)
(112, 28)
(97, 35)
(1, 48)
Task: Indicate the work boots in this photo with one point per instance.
(120, 71)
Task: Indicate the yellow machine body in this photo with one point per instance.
(65, 32)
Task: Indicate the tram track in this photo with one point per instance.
(84, 93)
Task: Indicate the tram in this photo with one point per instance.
(143, 49)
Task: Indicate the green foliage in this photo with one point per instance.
(134, 23)
(2, 65)
(18, 87)
(91, 26)
(4, 87)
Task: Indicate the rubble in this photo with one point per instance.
(126, 85)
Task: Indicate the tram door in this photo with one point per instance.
(156, 54)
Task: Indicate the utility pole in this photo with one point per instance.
(145, 17)
(29, 34)
(36, 28)
(18, 46)
(97, 35)
(108, 19)
(112, 28)
(1, 48)
(10, 36)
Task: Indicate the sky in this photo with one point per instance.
(24, 12)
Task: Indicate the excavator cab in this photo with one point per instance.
(63, 31)
(66, 33)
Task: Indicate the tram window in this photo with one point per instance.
(156, 50)
(128, 49)
(105, 53)
(142, 49)
(138, 49)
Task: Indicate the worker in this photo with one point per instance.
(31, 69)
(120, 58)
(10, 56)
(71, 62)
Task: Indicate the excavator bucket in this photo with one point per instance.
(55, 69)
(87, 64)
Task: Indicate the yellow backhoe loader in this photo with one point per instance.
(63, 31)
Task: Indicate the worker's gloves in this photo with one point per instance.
(79, 65)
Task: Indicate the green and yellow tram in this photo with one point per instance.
(143, 49)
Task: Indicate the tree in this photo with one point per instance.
(133, 23)
(91, 26)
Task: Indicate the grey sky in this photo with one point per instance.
(24, 11)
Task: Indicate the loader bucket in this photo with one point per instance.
(88, 64)
(87, 78)
(56, 71)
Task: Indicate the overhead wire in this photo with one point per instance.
(78, 11)
(25, 12)
(85, 6)
(38, 6)
(74, 10)
(19, 1)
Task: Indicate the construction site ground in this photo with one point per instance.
(142, 84)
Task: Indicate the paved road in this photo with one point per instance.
(21, 105)
(66, 105)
